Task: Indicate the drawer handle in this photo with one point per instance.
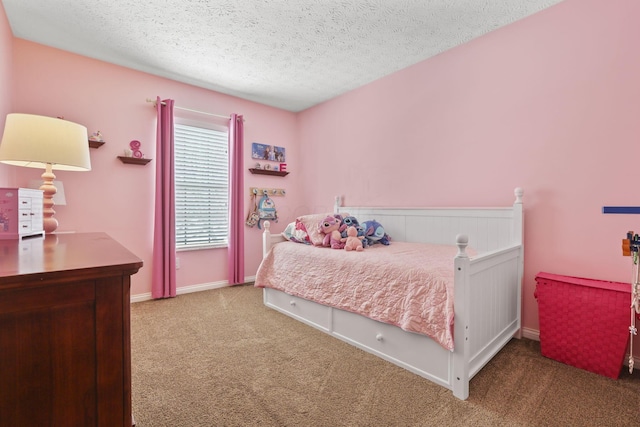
(292, 303)
(379, 337)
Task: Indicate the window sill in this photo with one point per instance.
(199, 248)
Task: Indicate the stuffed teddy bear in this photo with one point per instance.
(352, 242)
(330, 227)
(352, 221)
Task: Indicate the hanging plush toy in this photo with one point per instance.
(374, 232)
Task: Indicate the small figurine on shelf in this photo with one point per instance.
(257, 166)
(96, 136)
(135, 148)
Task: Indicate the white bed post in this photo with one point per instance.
(266, 238)
(518, 237)
(518, 219)
(461, 352)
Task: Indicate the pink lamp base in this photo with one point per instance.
(49, 222)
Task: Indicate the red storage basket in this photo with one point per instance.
(584, 322)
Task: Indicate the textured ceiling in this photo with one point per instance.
(290, 54)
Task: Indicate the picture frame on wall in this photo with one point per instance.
(268, 152)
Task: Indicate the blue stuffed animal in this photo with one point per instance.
(348, 221)
(361, 232)
(374, 233)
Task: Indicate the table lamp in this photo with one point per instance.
(45, 142)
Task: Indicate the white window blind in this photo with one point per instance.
(201, 187)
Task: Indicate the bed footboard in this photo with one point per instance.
(487, 311)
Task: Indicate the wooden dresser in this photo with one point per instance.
(65, 343)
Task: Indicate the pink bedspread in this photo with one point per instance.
(409, 285)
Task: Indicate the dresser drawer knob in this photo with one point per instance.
(379, 337)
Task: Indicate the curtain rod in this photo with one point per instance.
(193, 111)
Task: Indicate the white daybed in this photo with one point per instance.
(487, 292)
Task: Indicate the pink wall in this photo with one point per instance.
(117, 198)
(551, 103)
(6, 49)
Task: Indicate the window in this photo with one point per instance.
(201, 187)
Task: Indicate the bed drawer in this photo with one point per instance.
(313, 314)
(393, 344)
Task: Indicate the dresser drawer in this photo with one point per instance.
(33, 215)
(24, 201)
(25, 227)
(25, 214)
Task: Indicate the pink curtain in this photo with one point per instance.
(236, 194)
(164, 233)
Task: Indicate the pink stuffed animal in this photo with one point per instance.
(330, 227)
(353, 242)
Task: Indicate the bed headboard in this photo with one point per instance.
(487, 228)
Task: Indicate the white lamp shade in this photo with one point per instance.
(35, 141)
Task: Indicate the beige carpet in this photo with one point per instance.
(220, 358)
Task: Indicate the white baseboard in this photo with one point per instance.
(532, 334)
(189, 289)
(140, 297)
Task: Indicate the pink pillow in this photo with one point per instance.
(311, 222)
